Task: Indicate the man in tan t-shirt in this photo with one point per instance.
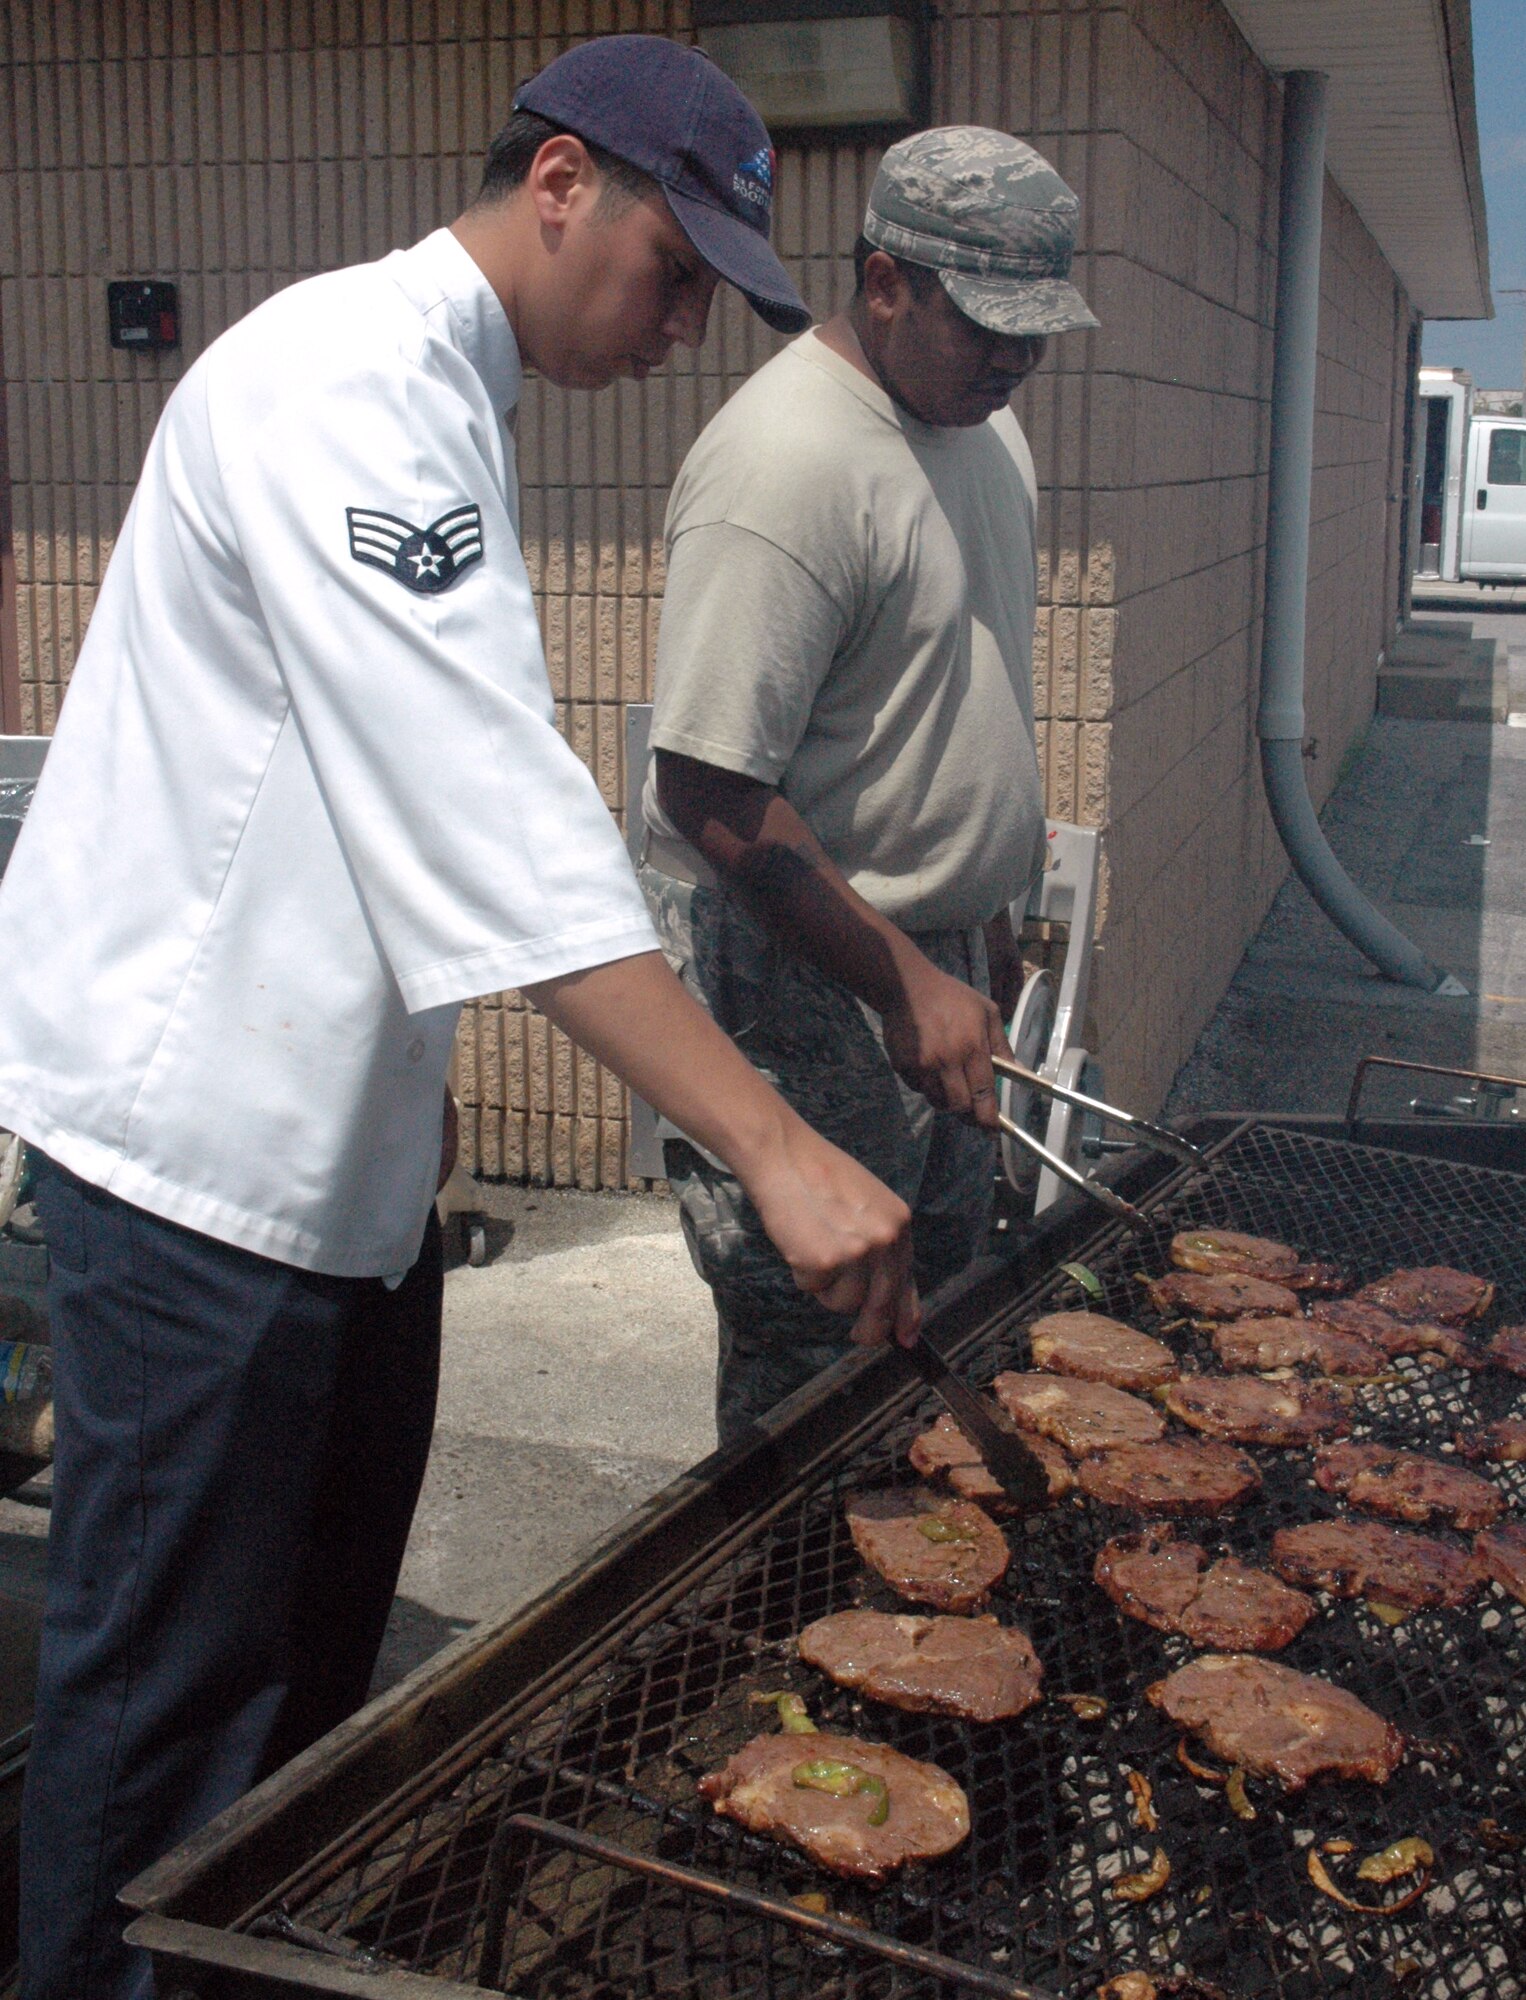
(845, 799)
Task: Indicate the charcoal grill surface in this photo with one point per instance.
(617, 1754)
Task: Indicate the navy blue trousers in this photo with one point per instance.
(240, 1447)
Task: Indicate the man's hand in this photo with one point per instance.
(844, 1235)
(940, 1037)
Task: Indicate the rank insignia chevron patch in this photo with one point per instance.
(425, 559)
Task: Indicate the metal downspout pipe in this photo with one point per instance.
(1280, 718)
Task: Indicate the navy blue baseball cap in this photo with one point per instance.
(670, 111)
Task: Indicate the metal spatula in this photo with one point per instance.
(1008, 1458)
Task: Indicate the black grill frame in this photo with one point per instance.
(761, 1528)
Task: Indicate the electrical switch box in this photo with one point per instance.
(143, 313)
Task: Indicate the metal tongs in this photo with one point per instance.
(1156, 1136)
(1006, 1453)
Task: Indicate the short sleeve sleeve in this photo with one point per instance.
(479, 844)
(747, 638)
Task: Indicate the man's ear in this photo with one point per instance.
(561, 174)
(885, 285)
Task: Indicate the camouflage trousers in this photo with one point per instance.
(821, 1049)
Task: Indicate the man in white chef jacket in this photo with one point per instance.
(306, 797)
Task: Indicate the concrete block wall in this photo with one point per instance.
(1151, 438)
(237, 148)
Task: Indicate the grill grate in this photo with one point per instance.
(1026, 1898)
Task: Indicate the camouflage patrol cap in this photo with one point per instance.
(991, 217)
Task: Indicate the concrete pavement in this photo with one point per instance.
(1430, 820)
(577, 1379)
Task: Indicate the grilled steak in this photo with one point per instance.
(1369, 1559)
(1079, 1416)
(1215, 1251)
(1502, 1553)
(1230, 1607)
(1096, 1349)
(945, 1452)
(929, 1814)
(1382, 1329)
(1435, 1292)
(1507, 1350)
(971, 1667)
(1224, 1296)
(1254, 1412)
(1278, 1723)
(1504, 1441)
(946, 1553)
(1257, 1345)
(1171, 1476)
(1407, 1486)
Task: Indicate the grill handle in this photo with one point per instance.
(830, 1930)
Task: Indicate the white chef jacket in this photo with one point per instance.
(306, 794)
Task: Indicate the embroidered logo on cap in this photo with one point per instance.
(426, 559)
(753, 180)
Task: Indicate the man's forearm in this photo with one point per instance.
(636, 1018)
(757, 842)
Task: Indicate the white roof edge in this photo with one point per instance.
(1403, 144)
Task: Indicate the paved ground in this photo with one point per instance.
(577, 1380)
(1431, 821)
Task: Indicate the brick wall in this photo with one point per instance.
(237, 147)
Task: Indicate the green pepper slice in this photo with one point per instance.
(936, 1529)
(844, 1781)
(793, 1719)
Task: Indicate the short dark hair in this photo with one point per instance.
(921, 277)
(512, 154)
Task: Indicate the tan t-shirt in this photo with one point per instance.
(849, 616)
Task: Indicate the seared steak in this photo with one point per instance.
(1504, 1441)
(1435, 1292)
(1215, 1251)
(1250, 1411)
(1277, 1723)
(1171, 1476)
(1224, 1296)
(1507, 1350)
(1257, 1345)
(1407, 1486)
(1096, 1349)
(1231, 1607)
(1079, 1416)
(1383, 1329)
(761, 1787)
(946, 1553)
(1502, 1552)
(945, 1452)
(971, 1667)
(1369, 1559)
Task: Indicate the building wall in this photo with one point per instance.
(235, 148)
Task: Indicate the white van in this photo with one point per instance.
(1472, 485)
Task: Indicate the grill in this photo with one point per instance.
(522, 1817)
